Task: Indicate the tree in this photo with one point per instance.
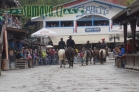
(129, 2)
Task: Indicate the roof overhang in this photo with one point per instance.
(15, 30)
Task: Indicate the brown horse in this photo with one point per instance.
(95, 55)
(87, 56)
(69, 54)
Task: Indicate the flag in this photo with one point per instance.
(75, 27)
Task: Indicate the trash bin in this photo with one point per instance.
(5, 64)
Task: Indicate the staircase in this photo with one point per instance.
(1, 44)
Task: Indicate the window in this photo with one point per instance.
(66, 23)
(101, 23)
(52, 24)
(84, 23)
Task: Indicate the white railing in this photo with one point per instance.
(80, 30)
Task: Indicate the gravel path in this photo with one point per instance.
(91, 78)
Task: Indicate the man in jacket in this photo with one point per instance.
(103, 44)
(61, 44)
(70, 42)
(88, 46)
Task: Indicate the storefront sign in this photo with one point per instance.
(50, 11)
(92, 30)
(93, 10)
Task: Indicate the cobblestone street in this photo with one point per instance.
(91, 78)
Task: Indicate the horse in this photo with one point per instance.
(69, 54)
(95, 55)
(102, 56)
(87, 56)
(61, 55)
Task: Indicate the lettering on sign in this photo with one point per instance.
(92, 30)
(85, 10)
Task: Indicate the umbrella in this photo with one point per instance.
(44, 33)
(49, 46)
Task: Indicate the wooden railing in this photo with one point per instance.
(131, 61)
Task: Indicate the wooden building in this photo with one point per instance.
(130, 15)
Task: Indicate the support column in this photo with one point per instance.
(59, 23)
(110, 25)
(6, 44)
(133, 29)
(44, 24)
(75, 26)
(125, 37)
(92, 20)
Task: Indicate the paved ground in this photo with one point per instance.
(91, 78)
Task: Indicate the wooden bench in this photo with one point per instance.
(136, 63)
(22, 63)
(129, 60)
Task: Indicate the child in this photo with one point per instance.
(81, 55)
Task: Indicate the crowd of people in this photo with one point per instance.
(120, 50)
(13, 21)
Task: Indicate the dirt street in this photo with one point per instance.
(91, 78)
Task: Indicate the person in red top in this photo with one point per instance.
(129, 47)
(52, 51)
(81, 57)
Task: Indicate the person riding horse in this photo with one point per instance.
(71, 43)
(88, 47)
(61, 44)
(70, 51)
(103, 44)
(61, 52)
(103, 49)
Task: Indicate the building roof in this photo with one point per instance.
(76, 3)
(132, 9)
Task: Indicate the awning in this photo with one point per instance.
(82, 39)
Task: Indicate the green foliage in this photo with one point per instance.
(129, 2)
(43, 2)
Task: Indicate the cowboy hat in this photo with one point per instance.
(70, 36)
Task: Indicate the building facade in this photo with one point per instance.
(92, 22)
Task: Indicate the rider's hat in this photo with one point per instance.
(70, 36)
(103, 39)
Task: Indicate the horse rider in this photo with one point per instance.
(88, 47)
(103, 45)
(71, 43)
(98, 45)
(61, 44)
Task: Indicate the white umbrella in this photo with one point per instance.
(44, 33)
(49, 46)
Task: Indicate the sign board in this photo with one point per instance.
(92, 29)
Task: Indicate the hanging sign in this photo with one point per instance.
(92, 30)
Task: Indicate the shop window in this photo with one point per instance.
(84, 23)
(101, 23)
(52, 24)
(66, 23)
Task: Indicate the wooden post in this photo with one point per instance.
(6, 44)
(133, 29)
(125, 37)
